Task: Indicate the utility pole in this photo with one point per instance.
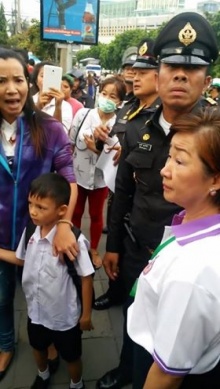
(17, 16)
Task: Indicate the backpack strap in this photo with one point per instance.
(30, 228)
(71, 267)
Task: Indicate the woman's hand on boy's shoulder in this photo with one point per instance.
(64, 242)
(85, 323)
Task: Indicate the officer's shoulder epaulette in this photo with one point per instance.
(211, 101)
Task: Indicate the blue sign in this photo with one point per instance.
(74, 21)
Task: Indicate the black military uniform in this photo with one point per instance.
(187, 40)
(134, 116)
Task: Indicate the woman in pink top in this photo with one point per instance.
(66, 87)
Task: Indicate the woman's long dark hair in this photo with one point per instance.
(32, 115)
(34, 75)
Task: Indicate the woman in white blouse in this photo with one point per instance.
(91, 184)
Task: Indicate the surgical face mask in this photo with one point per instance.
(106, 105)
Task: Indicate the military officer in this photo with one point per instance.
(133, 115)
(127, 70)
(185, 48)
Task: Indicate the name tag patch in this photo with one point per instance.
(144, 146)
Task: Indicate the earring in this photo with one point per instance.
(212, 192)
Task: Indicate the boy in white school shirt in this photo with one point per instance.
(55, 314)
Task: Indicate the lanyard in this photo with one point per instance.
(158, 249)
(128, 116)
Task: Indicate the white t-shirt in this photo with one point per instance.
(176, 312)
(51, 296)
(87, 174)
(67, 114)
(164, 124)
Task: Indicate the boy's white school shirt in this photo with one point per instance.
(51, 296)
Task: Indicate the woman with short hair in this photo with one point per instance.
(175, 318)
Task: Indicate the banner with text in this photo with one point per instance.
(74, 21)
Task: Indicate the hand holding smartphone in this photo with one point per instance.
(52, 77)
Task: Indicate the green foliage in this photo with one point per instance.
(30, 40)
(110, 55)
(43, 49)
(214, 20)
(3, 26)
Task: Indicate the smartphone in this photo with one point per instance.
(52, 77)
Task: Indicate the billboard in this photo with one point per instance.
(69, 21)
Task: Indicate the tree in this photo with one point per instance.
(30, 39)
(42, 49)
(3, 27)
(214, 20)
(110, 55)
(121, 43)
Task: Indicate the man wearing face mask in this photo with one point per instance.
(90, 182)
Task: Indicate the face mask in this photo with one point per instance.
(106, 105)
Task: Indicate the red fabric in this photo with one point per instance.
(30, 68)
(75, 104)
(96, 199)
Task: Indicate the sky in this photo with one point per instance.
(31, 8)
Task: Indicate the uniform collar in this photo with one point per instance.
(195, 230)
(49, 237)
(157, 112)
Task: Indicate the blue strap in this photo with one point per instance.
(16, 180)
(4, 163)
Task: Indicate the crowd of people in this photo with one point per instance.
(162, 216)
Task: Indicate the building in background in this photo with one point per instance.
(208, 6)
(122, 15)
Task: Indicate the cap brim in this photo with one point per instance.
(131, 63)
(186, 60)
(144, 65)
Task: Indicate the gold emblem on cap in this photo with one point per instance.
(146, 136)
(143, 49)
(187, 35)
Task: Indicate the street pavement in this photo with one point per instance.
(101, 346)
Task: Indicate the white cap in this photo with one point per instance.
(89, 8)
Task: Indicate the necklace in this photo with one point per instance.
(12, 139)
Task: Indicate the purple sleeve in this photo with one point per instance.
(62, 152)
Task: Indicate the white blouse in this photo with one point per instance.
(67, 114)
(87, 174)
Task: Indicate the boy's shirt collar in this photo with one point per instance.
(49, 237)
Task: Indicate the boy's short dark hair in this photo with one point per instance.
(51, 185)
